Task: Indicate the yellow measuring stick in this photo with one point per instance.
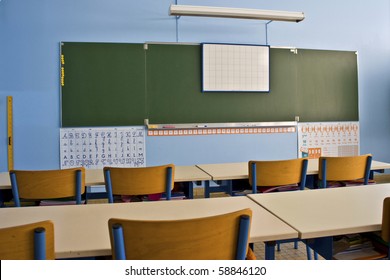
(10, 133)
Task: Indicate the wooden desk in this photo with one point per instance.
(82, 230)
(95, 177)
(183, 174)
(226, 171)
(323, 213)
(239, 170)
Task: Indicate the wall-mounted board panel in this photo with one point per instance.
(103, 84)
(114, 84)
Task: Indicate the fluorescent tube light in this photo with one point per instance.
(205, 11)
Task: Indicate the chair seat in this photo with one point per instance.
(357, 182)
(150, 197)
(348, 183)
(137, 198)
(284, 188)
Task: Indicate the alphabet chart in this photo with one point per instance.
(328, 139)
(102, 146)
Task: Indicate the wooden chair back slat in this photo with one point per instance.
(202, 238)
(17, 243)
(277, 173)
(343, 168)
(48, 184)
(139, 180)
(386, 220)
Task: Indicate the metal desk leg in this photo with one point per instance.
(207, 189)
(322, 246)
(270, 250)
(190, 186)
(229, 187)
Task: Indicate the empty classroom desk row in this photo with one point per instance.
(200, 172)
(82, 230)
(313, 216)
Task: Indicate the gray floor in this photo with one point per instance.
(287, 252)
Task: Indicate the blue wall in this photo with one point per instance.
(30, 32)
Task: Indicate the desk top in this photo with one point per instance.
(82, 230)
(239, 170)
(328, 212)
(312, 168)
(95, 177)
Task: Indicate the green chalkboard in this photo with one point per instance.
(103, 84)
(123, 84)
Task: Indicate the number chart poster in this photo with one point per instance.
(328, 139)
(97, 147)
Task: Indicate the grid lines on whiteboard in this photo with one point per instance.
(235, 68)
(97, 147)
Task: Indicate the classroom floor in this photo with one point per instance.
(287, 252)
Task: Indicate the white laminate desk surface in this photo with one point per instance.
(95, 177)
(239, 170)
(328, 212)
(190, 173)
(5, 182)
(226, 171)
(82, 230)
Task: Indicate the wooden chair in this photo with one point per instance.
(380, 241)
(28, 242)
(220, 237)
(48, 185)
(385, 233)
(136, 181)
(383, 238)
(279, 176)
(344, 171)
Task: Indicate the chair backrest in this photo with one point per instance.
(386, 221)
(217, 237)
(47, 184)
(344, 168)
(139, 180)
(277, 173)
(28, 242)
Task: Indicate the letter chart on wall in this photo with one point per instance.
(97, 147)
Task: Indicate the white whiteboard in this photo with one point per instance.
(97, 147)
(235, 68)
